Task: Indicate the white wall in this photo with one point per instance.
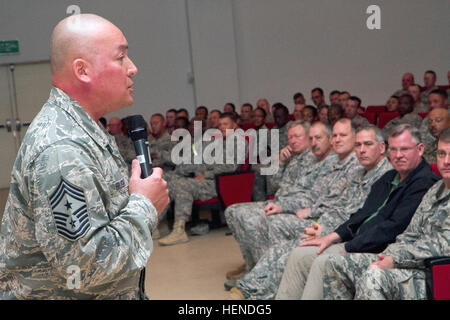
(241, 50)
(286, 46)
(156, 31)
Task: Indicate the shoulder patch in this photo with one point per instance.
(69, 211)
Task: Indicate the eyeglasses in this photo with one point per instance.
(442, 154)
(402, 150)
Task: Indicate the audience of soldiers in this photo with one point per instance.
(343, 185)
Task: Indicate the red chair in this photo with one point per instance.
(291, 117)
(444, 87)
(270, 125)
(231, 188)
(437, 277)
(385, 117)
(247, 125)
(423, 114)
(435, 169)
(370, 116)
(376, 109)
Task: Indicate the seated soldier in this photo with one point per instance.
(392, 104)
(245, 116)
(201, 113)
(323, 114)
(414, 91)
(264, 278)
(351, 111)
(398, 271)
(386, 213)
(335, 112)
(405, 109)
(289, 213)
(281, 115)
(159, 143)
(294, 162)
(309, 114)
(202, 186)
(213, 119)
(436, 99)
(298, 111)
(438, 120)
(429, 84)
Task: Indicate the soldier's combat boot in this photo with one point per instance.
(235, 294)
(178, 235)
(237, 273)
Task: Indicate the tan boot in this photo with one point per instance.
(178, 235)
(237, 273)
(156, 234)
(235, 294)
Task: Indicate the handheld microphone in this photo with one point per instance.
(137, 131)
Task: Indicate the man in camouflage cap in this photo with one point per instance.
(75, 226)
(398, 271)
(386, 212)
(265, 277)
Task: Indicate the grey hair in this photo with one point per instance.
(377, 131)
(399, 129)
(444, 136)
(326, 128)
(305, 124)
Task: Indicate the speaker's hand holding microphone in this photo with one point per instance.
(144, 179)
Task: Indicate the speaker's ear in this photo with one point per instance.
(80, 70)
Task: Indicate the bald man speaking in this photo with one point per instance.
(75, 225)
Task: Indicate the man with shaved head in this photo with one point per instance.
(76, 226)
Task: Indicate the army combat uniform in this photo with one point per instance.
(428, 235)
(71, 230)
(243, 218)
(263, 281)
(161, 149)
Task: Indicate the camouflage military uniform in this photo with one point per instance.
(261, 182)
(186, 190)
(243, 218)
(429, 153)
(325, 189)
(283, 136)
(126, 149)
(427, 138)
(263, 280)
(419, 107)
(424, 95)
(162, 148)
(69, 206)
(360, 121)
(428, 235)
(409, 118)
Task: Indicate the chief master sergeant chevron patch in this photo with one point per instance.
(69, 211)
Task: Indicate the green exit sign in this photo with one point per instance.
(9, 46)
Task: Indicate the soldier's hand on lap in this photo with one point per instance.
(385, 262)
(303, 213)
(272, 208)
(313, 232)
(153, 187)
